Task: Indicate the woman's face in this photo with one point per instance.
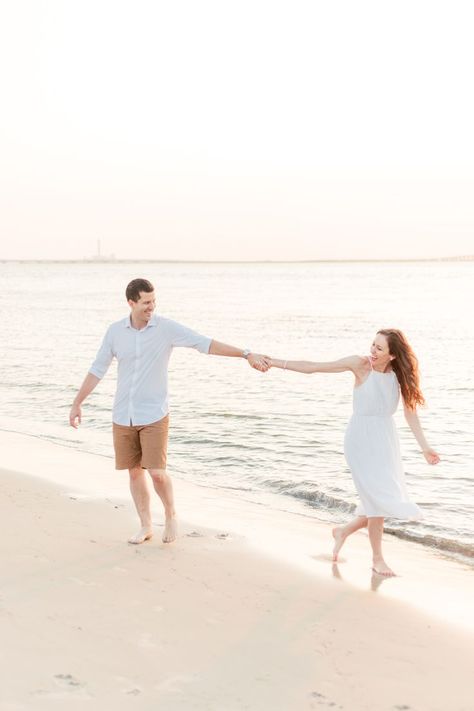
(379, 352)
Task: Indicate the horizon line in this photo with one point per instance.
(92, 260)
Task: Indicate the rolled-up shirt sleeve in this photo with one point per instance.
(103, 358)
(184, 337)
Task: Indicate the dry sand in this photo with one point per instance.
(244, 611)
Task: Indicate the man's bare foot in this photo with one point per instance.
(381, 568)
(144, 534)
(171, 530)
(339, 539)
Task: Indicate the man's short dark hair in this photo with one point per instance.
(136, 286)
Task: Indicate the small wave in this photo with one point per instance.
(447, 545)
(221, 445)
(458, 390)
(232, 416)
(235, 488)
(313, 497)
(322, 500)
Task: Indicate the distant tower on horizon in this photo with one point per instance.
(99, 257)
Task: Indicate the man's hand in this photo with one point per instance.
(90, 381)
(259, 362)
(75, 416)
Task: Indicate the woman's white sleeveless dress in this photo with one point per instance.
(372, 450)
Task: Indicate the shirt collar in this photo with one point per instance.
(152, 322)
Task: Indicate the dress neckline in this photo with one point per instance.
(381, 372)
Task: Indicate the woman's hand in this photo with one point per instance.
(259, 362)
(431, 456)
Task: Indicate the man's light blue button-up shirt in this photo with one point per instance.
(142, 356)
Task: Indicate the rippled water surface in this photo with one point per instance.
(276, 437)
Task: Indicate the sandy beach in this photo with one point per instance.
(244, 611)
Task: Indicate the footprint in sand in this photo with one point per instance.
(66, 685)
(67, 680)
(128, 686)
(41, 559)
(176, 683)
(326, 558)
(223, 536)
(78, 581)
(146, 641)
(322, 700)
(116, 506)
(195, 534)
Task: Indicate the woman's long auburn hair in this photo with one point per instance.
(405, 367)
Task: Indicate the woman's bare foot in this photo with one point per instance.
(381, 568)
(144, 534)
(171, 530)
(339, 539)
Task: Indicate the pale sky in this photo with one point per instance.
(236, 130)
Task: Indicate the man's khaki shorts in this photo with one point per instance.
(142, 446)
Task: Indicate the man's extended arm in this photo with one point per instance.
(256, 360)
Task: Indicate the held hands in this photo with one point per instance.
(259, 362)
(75, 416)
(431, 456)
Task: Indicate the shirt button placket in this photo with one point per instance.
(134, 377)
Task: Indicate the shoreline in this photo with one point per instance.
(450, 549)
(289, 537)
(243, 611)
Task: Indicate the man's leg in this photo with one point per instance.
(128, 456)
(141, 499)
(164, 488)
(154, 445)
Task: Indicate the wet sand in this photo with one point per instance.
(243, 611)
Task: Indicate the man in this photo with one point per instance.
(142, 343)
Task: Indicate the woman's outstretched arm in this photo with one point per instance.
(414, 423)
(351, 363)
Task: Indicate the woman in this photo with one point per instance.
(371, 443)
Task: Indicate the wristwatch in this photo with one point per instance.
(245, 353)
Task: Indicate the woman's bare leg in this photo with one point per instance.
(340, 533)
(375, 526)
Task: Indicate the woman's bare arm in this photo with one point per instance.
(349, 363)
(414, 423)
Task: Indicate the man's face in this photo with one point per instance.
(143, 308)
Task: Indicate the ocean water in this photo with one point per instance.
(275, 437)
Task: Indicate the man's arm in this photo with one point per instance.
(255, 360)
(182, 336)
(96, 372)
(90, 381)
